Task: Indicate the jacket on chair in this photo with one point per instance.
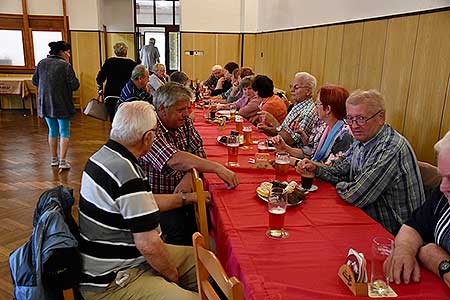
(54, 231)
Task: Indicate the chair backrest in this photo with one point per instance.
(430, 178)
(207, 264)
(200, 207)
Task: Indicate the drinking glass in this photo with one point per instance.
(233, 150)
(247, 136)
(232, 111)
(281, 166)
(277, 204)
(263, 147)
(307, 178)
(239, 123)
(381, 249)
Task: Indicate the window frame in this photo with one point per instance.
(37, 23)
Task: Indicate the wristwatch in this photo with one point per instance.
(444, 267)
(278, 129)
(183, 198)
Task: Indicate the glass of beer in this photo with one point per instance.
(381, 249)
(247, 136)
(307, 178)
(239, 123)
(232, 111)
(277, 204)
(281, 166)
(233, 150)
(263, 147)
(212, 109)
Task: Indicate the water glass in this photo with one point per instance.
(381, 249)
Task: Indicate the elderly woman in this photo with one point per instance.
(158, 78)
(116, 71)
(263, 86)
(331, 137)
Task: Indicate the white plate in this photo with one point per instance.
(312, 189)
(223, 113)
(266, 200)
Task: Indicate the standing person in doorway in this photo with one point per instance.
(150, 55)
(56, 80)
(116, 71)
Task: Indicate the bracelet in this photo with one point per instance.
(183, 198)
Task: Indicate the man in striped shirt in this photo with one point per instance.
(379, 173)
(177, 149)
(136, 87)
(122, 253)
(426, 236)
(302, 115)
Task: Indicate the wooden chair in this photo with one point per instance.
(200, 207)
(207, 264)
(430, 178)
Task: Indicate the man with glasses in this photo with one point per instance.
(379, 173)
(303, 112)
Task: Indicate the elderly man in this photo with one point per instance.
(150, 54)
(123, 255)
(425, 237)
(216, 73)
(136, 87)
(176, 150)
(302, 114)
(379, 173)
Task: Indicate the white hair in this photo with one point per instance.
(309, 79)
(443, 144)
(131, 122)
(216, 67)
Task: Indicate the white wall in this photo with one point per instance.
(117, 15)
(11, 6)
(285, 14)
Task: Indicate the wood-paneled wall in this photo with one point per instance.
(407, 58)
(127, 38)
(217, 49)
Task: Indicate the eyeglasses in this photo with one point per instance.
(361, 121)
(296, 87)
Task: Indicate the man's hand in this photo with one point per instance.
(186, 184)
(279, 143)
(267, 119)
(307, 165)
(228, 176)
(402, 265)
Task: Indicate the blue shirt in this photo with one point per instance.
(130, 92)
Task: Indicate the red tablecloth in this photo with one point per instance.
(321, 230)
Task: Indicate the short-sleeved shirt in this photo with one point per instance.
(130, 92)
(305, 112)
(432, 220)
(275, 106)
(115, 202)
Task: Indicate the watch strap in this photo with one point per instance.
(444, 268)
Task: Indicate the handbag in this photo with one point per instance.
(96, 109)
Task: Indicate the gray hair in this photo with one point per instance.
(309, 79)
(131, 121)
(443, 144)
(152, 41)
(157, 67)
(120, 49)
(170, 93)
(216, 67)
(138, 72)
(246, 82)
(372, 98)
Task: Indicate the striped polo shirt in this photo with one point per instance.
(115, 202)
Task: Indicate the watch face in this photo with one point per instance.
(445, 266)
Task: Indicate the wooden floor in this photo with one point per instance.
(25, 173)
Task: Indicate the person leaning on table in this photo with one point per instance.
(425, 237)
(379, 173)
(123, 256)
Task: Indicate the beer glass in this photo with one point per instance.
(212, 109)
(263, 147)
(233, 150)
(247, 136)
(281, 166)
(381, 249)
(277, 204)
(307, 178)
(239, 123)
(232, 111)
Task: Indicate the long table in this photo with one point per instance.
(321, 230)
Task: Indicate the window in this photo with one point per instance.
(24, 46)
(11, 51)
(158, 12)
(41, 39)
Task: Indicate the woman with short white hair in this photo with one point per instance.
(158, 78)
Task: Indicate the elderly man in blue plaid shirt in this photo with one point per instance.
(302, 116)
(379, 173)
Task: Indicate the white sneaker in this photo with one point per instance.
(64, 164)
(54, 162)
